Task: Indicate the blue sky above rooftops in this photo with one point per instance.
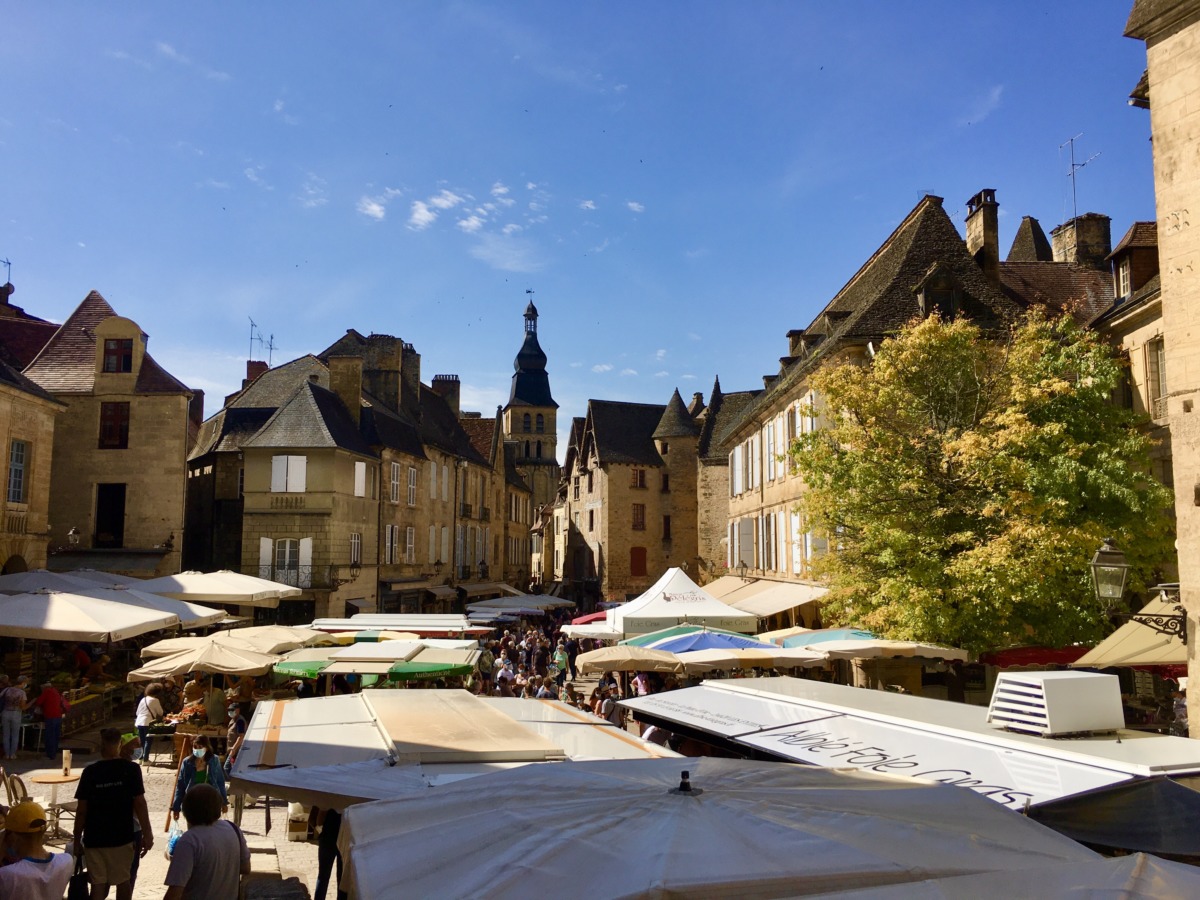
(679, 183)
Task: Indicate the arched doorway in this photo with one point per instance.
(15, 563)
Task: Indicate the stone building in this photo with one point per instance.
(924, 266)
(345, 475)
(530, 418)
(1171, 31)
(118, 469)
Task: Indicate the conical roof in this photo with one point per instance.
(530, 383)
(1030, 244)
(676, 421)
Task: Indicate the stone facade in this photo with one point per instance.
(27, 422)
(1171, 31)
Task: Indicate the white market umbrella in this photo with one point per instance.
(63, 616)
(221, 587)
(191, 615)
(698, 661)
(626, 658)
(42, 580)
(212, 656)
(879, 648)
(270, 639)
(105, 579)
(620, 829)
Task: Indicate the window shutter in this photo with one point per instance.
(445, 557)
(445, 486)
(306, 545)
(297, 468)
(265, 548)
(410, 544)
(432, 543)
(278, 474)
(360, 479)
(432, 482)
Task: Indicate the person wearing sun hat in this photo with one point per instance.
(38, 874)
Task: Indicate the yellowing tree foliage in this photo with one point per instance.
(967, 481)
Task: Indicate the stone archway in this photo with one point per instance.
(15, 563)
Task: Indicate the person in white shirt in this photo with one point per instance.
(38, 874)
(149, 711)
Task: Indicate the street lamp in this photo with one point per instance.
(1109, 573)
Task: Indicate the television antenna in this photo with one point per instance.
(8, 270)
(1075, 167)
(266, 343)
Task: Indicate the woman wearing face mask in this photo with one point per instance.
(202, 767)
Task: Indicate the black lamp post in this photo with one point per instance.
(1110, 572)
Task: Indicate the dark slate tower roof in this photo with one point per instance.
(530, 383)
(675, 421)
(1030, 244)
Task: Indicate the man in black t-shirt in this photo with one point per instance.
(110, 794)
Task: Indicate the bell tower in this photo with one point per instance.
(531, 416)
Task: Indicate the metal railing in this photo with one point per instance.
(464, 510)
(1158, 408)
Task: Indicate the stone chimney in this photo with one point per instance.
(196, 407)
(254, 368)
(1086, 240)
(795, 336)
(382, 360)
(983, 232)
(410, 380)
(448, 388)
(345, 380)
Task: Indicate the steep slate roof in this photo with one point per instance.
(1030, 243)
(480, 432)
(386, 427)
(22, 339)
(1121, 305)
(1141, 235)
(228, 430)
(512, 476)
(676, 421)
(67, 363)
(623, 431)
(313, 417)
(274, 387)
(882, 294)
(439, 427)
(14, 379)
(723, 418)
(1061, 287)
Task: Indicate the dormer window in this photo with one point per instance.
(1124, 284)
(118, 355)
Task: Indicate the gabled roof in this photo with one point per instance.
(1061, 287)
(480, 432)
(67, 363)
(274, 387)
(1141, 235)
(14, 379)
(22, 339)
(623, 432)
(313, 417)
(723, 417)
(881, 296)
(1030, 243)
(228, 430)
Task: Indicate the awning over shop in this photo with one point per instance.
(725, 585)
(496, 588)
(834, 725)
(1136, 644)
(442, 592)
(1029, 657)
(776, 597)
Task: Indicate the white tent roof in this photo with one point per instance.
(822, 724)
(221, 587)
(1135, 644)
(62, 616)
(675, 600)
(208, 656)
(618, 829)
(191, 615)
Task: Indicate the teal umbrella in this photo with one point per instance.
(829, 634)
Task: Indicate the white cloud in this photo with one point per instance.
(601, 368)
(445, 200)
(313, 191)
(278, 106)
(620, 88)
(421, 216)
(507, 253)
(286, 118)
(511, 228)
(251, 173)
(663, 374)
(629, 371)
(587, 204)
(123, 56)
(167, 51)
(660, 355)
(500, 192)
(215, 184)
(688, 377)
(576, 365)
(470, 224)
(531, 185)
(80, 244)
(982, 106)
(371, 208)
(636, 207)
(692, 336)
(600, 248)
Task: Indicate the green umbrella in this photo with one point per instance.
(416, 671)
(307, 662)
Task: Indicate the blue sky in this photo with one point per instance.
(679, 183)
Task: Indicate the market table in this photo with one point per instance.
(54, 779)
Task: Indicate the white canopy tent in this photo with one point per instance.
(270, 639)
(677, 600)
(623, 829)
(63, 616)
(211, 656)
(224, 586)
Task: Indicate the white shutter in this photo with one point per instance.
(265, 548)
(278, 474)
(797, 546)
(297, 468)
(445, 556)
(445, 486)
(360, 479)
(432, 482)
(306, 545)
(432, 543)
(410, 544)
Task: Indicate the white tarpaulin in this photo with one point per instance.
(221, 587)
(875, 731)
(619, 829)
(1137, 644)
(61, 616)
(677, 600)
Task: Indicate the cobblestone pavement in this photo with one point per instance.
(281, 868)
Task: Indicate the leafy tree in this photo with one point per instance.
(965, 483)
